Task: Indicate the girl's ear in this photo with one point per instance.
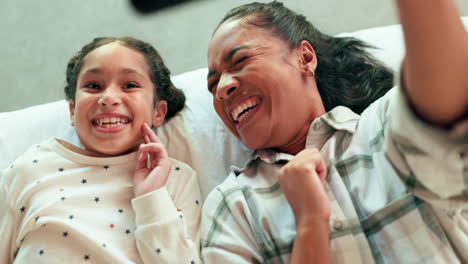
(71, 106)
(159, 114)
(308, 59)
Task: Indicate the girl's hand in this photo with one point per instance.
(302, 183)
(153, 164)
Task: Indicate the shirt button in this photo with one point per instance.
(337, 225)
(317, 126)
(465, 213)
(451, 213)
(461, 155)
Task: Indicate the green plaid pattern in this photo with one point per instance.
(413, 209)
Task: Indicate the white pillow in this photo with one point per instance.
(196, 136)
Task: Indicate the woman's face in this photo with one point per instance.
(259, 87)
(114, 97)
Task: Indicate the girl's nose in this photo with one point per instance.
(110, 97)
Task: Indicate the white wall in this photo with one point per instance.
(39, 37)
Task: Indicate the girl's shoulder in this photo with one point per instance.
(26, 169)
(31, 155)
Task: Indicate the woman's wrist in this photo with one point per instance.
(308, 224)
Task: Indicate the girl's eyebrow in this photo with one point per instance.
(130, 70)
(124, 70)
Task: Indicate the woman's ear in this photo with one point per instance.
(308, 59)
(159, 114)
(71, 106)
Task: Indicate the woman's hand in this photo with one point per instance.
(153, 164)
(301, 180)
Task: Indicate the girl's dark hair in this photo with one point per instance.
(346, 73)
(158, 72)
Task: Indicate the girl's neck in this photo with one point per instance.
(78, 150)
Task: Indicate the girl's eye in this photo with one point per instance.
(93, 86)
(131, 85)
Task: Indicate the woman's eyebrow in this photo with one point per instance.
(227, 58)
(233, 51)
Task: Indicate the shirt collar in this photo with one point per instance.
(339, 118)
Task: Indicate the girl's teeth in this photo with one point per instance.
(111, 122)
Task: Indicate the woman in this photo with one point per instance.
(395, 190)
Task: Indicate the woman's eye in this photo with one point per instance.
(240, 60)
(93, 86)
(212, 87)
(130, 85)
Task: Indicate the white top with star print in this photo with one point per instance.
(58, 206)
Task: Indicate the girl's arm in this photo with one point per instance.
(435, 69)
(7, 218)
(167, 206)
(168, 220)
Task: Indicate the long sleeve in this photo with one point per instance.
(168, 220)
(433, 164)
(432, 161)
(8, 220)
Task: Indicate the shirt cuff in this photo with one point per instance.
(156, 206)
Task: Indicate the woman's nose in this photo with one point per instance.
(227, 84)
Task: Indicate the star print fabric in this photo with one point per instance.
(60, 206)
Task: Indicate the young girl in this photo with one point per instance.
(120, 199)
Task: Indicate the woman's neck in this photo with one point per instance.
(298, 142)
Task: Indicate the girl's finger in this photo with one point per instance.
(148, 161)
(158, 154)
(157, 151)
(141, 159)
(148, 132)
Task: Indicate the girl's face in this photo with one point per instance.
(114, 97)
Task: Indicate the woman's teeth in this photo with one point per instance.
(239, 112)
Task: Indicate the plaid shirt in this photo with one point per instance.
(398, 190)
